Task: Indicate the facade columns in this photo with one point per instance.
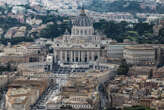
(88, 56)
(71, 54)
(98, 55)
(55, 55)
(82, 56)
(74, 56)
(61, 55)
(93, 55)
(78, 56)
(65, 56)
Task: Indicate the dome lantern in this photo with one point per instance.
(82, 12)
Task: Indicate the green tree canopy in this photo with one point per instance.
(123, 68)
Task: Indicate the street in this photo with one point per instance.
(104, 100)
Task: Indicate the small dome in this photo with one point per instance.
(83, 20)
(66, 32)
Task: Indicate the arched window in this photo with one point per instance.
(77, 31)
(74, 31)
(95, 58)
(81, 32)
(86, 32)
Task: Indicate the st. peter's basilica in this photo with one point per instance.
(82, 45)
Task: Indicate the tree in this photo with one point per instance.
(150, 75)
(16, 40)
(5, 68)
(132, 35)
(141, 28)
(137, 108)
(139, 32)
(54, 30)
(161, 36)
(111, 108)
(123, 68)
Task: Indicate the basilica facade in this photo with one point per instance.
(82, 45)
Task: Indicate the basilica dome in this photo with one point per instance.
(83, 20)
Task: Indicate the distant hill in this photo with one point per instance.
(126, 6)
(132, 6)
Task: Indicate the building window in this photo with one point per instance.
(90, 31)
(95, 58)
(85, 32)
(81, 32)
(77, 32)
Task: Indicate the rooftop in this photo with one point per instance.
(139, 47)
